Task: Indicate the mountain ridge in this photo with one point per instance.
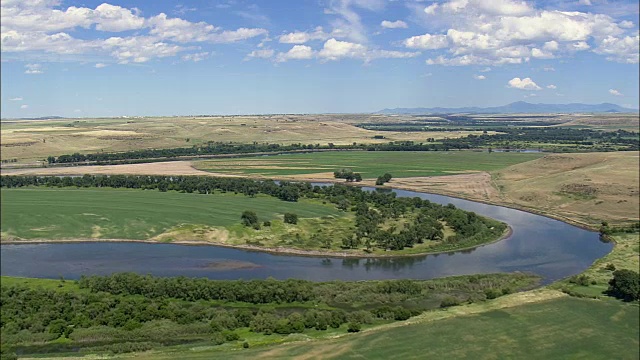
(518, 107)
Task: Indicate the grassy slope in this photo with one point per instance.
(626, 255)
(559, 328)
(131, 214)
(590, 187)
(370, 164)
(35, 140)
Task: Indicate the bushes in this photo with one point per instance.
(449, 301)
(250, 219)
(290, 218)
(625, 285)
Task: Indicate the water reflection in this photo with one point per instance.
(541, 245)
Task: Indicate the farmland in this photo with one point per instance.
(29, 141)
(132, 214)
(368, 163)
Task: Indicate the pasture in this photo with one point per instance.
(370, 164)
(558, 328)
(30, 141)
(35, 213)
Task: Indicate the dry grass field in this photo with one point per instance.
(34, 140)
(586, 187)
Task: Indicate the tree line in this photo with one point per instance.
(130, 312)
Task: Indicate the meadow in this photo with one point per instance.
(132, 214)
(370, 164)
(562, 327)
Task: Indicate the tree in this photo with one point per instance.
(625, 285)
(250, 219)
(290, 218)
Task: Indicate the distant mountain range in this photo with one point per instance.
(520, 107)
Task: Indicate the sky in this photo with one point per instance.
(147, 58)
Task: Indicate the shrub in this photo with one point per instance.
(449, 301)
(354, 327)
(290, 218)
(245, 345)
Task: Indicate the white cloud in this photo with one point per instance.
(348, 22)
(335, 49)
(100, 65)
(33, 69)
(624, 50)
(398, 24)
(426, 41)
(195, 57)
(25, 106)
(551, 86)
(297, 52)
(513, 32)
(615, 92)
(487, 69)
(19, 98)
(37, 29)
(229, 36)
(301, 37)
(523, 84)
(585, 2)
(261, 53)
(115, 18)
(479, 77)
(549, 68)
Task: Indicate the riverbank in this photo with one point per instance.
(276, 251)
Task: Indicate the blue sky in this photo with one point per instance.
(96, 58)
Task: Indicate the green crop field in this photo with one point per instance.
(370, 164)
(132, 214)
(565, 328)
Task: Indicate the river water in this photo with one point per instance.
(547, 247)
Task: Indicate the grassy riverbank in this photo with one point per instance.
(131, 313)
(42, 214)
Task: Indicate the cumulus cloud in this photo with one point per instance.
(301, 37)
(624, 50)
(297, 52)
(513, 32)
(38, 28)
(25, 106)
(551, 86)
(523, 84)
(33, 69)
(100, 65)
(615, 92)
(426, 41)
(479, 77)
(398, 24)
(19, 98)
(335, 49)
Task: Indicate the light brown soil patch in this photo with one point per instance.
(473, 185)
(157, 168)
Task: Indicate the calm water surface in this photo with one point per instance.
(544, 246)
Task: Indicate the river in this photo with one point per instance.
(544, 246)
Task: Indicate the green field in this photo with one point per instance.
(132, 214)
(370, 164)
(565, 328)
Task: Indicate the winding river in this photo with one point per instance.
(544, 246)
